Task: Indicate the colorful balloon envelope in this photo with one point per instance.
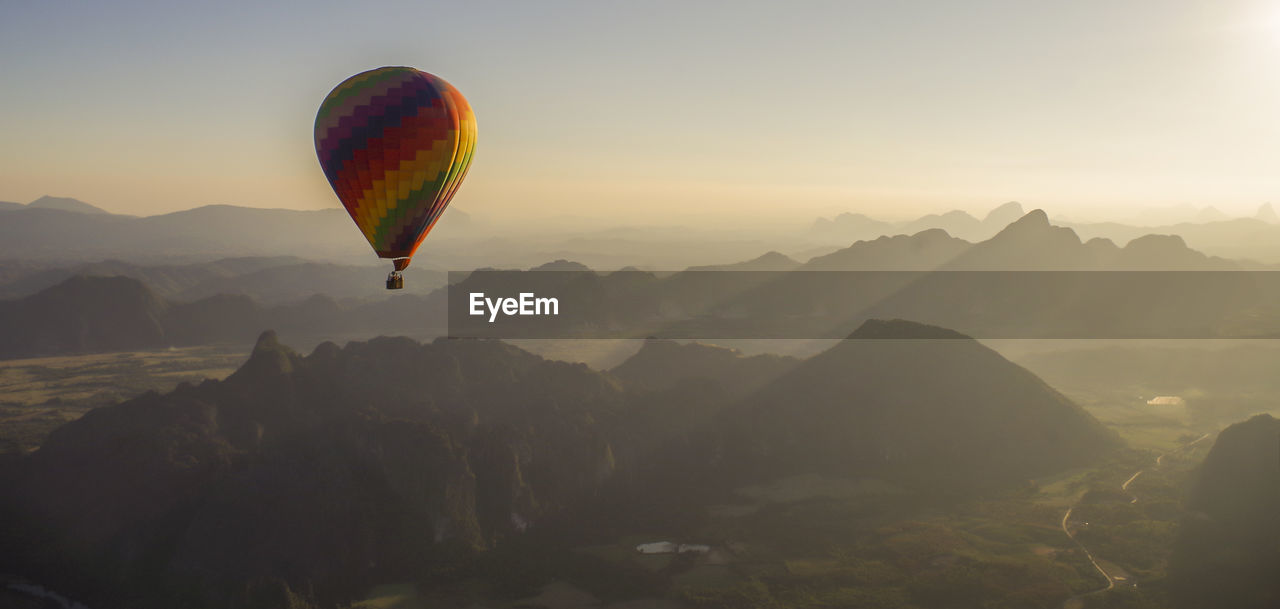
(395, 144)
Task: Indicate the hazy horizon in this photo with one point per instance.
(637, 115)
(709, 220)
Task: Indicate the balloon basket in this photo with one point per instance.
(395, 281)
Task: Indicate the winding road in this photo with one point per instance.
(1077, 601)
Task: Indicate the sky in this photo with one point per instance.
(654, 111)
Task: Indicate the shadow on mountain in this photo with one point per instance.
(1228, 551)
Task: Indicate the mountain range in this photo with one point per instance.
(232, 300)
(325, 474)
(98, 314)
(269, 280)
(854, 226)
(59, 233)
(981, 288)
(68, 231)
(62, 235)
(59, 203)
(1029, 241)
(1210, 231)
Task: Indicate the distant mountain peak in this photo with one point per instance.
(1035, 226)
(267, 341)
(955, 222)
(772, 256)
(930, 234)
(99, 289)
(65, 204)
(1267, 214)
(849, 216)
(561, 265)
(770, 261)
(1211, 214)
(868, 404)
(665, 347)
(926, 249)
(1035, 217)
(1102, 243)
(1004, 214)
(83, 314)
(902, 329)
(662, 363)
(269, 358)
(1157, 242)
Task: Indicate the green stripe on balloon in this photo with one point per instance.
(395, 217)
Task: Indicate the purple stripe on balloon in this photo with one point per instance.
(377, 106)
(349, 104)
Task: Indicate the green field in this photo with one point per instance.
(38, 395)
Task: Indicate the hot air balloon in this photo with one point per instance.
(395, 144)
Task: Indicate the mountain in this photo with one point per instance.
(851, 225)
(661, 364)
(83, 314)
(935, 405)
(1029, 243)
(1239, 238)
(1171, 214)
(848, 227)
(1166, 252)
(770, 261)
(65, 204)
(1003, 216)
(1228, 553)
(23, 279)
(10, 205)
(1267, 214)
(925, 250)
(1210, 214)
(954, 222)
(562, 265)
(1032, 242)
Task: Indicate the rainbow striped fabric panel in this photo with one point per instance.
(395, 144)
